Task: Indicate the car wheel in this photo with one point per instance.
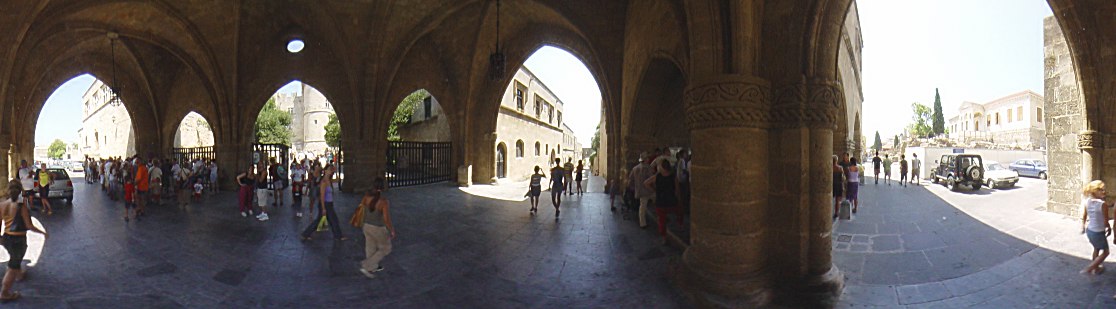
(952, 184)
(976, 186)
(990, 184)
(1042, 175)
(934, 179)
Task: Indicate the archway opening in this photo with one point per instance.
(193, 131)
(297, 123)
(419, 148)
(553, 104)
(83, 118)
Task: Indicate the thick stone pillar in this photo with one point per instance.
(482, 156)
(232, 159)
(725, 266)
(364, 161)
(1089, 142)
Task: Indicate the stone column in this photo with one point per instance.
(483, 157)
(1089, 142)
(725, 265)
(232, 159)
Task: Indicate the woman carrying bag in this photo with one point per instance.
(374, 218)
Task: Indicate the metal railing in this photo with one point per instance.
(189, 154)
(416, 163)
(266, 151)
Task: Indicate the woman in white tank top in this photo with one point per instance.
(1094, 224)
(853, 183)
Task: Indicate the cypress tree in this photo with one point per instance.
(879, 143)
(937, 118)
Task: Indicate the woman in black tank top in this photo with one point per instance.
(17, 221)
(666, 196)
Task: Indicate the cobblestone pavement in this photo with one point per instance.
(454, 250)
(927, 247)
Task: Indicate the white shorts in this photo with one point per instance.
(261, 197)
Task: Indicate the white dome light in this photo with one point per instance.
(295, 46)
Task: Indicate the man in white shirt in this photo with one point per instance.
(26, 179)
(915, 167)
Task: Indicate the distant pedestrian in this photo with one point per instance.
(247, 181)
(639, 173)
(852, 185)
(557, 184)
(198, 189)
(903, 170)
(1094, 224)
(46, 179)
(262, 191)
(312, 188)
(297, 174)
(568, 168)
(534, 189)
(887, 169)
(213, 186)
(378, 230)
(682, 169)
(156, 183)
(17, 221)
(327, 211)
(577, 176)
(143, 184)
(876, 161)
(130, 200)
(916, 167)
(838, 186)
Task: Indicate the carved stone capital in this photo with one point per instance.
(812, 105)
(728, 101)
(1089, 139)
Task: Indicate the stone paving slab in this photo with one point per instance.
(454, 249)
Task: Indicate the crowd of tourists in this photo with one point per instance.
(137, 182)
(564, 179)
(848, 176)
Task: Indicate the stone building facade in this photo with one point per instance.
(529, 128)
(850, 65)
(309, 114)
(194, 131)
(1065, 121)
(106, 128)
(428, 123)
(1014, 121)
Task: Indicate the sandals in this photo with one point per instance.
(10, 297)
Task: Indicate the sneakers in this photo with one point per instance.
(381, 268)
(367, 274)
(250, 212)
(262, 216)
(243, 214)
(298, 214)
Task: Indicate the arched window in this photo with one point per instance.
(538, 149)
(519, 148)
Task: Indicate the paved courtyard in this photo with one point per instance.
(927, 247)
(454, 250)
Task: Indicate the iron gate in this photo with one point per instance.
(267, 151)
(189, 154)
(416, 163)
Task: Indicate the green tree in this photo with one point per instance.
(879, 143)
(57, 149)
(595, 144)
(403, 113)
(921, 121)
(333, 131)
(273, 125)
(939, 118)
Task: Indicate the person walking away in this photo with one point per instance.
(838, 187)
(568, 168)
(534, 189)
(665, 185)
(641, 172)
(312, 188)
(557, 183)
(143, 184)
(213, 186)
(903, 170)
(852, 185)
(45, 181)
(247, 180)
(378, 230)
(1094, 224)
(876, 161)
(130, 200)
(262, 191)
(156, 183)
(577, 177)
(297, 173)
(887, 169)
(326, 210)
(17, 221)
(916, 166)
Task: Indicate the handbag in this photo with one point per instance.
(322, 225)
(357, 220)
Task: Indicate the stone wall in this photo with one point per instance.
(1063, 118)
(193, 131)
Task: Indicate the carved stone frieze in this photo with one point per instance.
(1088, 139)
(732, 101)
(810, 105)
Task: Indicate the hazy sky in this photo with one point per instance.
(972, 50)
(571, 81)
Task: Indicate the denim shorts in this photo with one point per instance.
(1099, 241)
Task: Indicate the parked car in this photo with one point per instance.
(956, 170)
(63, 187)
(1030, 168)
(997, 175)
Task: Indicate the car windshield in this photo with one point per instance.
(995, 167)
(968, 161)
(1040, 163)
(58, 174)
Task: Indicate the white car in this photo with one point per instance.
(997, 175)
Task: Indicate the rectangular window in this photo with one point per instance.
(519, 93)
(549, 113)
(997, 118)
(1019, 113)
(1009, 116)
(426, 106)
(538, 108)
(1038, 114)
(559, 118)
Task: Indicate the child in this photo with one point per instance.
(1094, 224)
(535, 189)
(129, 199)
(198, 188)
